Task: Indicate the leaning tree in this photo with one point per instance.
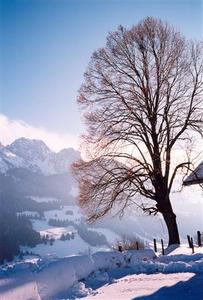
(142, 101)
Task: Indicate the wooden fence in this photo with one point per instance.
(199, 240)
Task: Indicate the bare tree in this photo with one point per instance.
(142, 98)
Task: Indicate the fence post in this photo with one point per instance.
(189, 241)
(162, 246)
(192, 245)
(199, 242)
(120, 248)
(155, 246)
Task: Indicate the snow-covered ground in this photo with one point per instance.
(183, 249)
(107, 276)
(155, 286)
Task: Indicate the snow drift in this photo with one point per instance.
(47, 279)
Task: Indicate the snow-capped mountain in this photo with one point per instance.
(34, 155)
(28, 168)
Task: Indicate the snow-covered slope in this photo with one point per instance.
(70, 234)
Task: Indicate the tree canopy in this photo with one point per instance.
(141, 97)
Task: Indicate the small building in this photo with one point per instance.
(196, 177)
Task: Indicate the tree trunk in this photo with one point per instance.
(170, 220)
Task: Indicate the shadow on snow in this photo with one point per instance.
(191, 289)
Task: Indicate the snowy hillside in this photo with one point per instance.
(67, 234)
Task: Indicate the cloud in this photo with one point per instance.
(14, 129)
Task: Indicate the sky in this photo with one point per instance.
(45, 48)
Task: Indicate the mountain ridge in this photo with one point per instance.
(35, 155)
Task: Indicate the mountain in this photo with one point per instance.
(34, 155)
(29, 169)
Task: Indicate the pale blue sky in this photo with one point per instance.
(47, 44)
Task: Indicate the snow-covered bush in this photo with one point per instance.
(129, 243)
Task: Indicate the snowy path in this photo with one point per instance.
(178, 286)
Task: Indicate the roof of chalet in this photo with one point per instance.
(196, 176)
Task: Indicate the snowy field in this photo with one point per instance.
(71, 246)
(107, 276)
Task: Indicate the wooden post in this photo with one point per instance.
(120, 248)
(162, 246)
(137, 245)
(189, 241)
(192, 245)
(199, 242)
(155, 246)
